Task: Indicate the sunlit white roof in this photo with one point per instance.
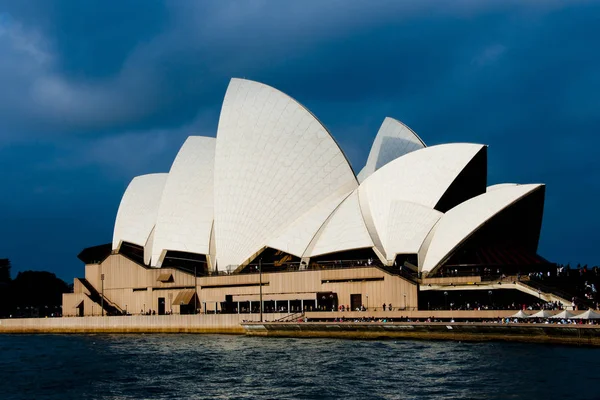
(344, 230)
(296, 237)
(138, 210)
(407, 227)
(499, 186)
(415, 182)
(394, 139)
(463, 220)
(275, 178)
(185, 215)
(274, 162)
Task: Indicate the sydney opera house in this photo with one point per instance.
(272, 205)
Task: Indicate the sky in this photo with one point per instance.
(94, 93)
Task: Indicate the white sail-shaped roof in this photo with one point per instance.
(407, 227)
(274, 162)
(186, 210)
(296, 237)
(138, 210)
(499, 186)
(417, 180)
(393, 140)
(462, 221)
(344, 230)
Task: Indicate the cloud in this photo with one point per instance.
(87, 104)
(39, 101)
(67, 78)
(127, 154)
(95, 78)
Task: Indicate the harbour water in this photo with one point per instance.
(238, 367)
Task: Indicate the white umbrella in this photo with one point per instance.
(520, 314)
(542, 314)
(589, 314)
(563, 315)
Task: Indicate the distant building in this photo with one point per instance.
(274, 191)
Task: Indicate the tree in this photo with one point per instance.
(4, 270)
(5, 297)
(38, 289)
(32, 293)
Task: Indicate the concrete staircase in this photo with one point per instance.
(544, 294)
(110, 308)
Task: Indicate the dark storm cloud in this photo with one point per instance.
(95, 93)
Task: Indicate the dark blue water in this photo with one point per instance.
(239, 367)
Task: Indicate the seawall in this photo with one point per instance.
(249, 324)
(586, 335)
(200, 323)
(203, 323)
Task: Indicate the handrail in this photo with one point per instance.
(295, 315)
(536, 285)
(325, 265)
(94, 293)
(548, 289)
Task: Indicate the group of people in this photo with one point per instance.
(384, 307)
(344, 308)
(499, 320)
(478, 306)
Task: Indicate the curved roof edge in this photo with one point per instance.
(401, 140)
(186, 211)
(408, 225)
(497, 186)
(311, 113)
(343, 230)
(274, 162)
(298, 235)
(148, 247)
(461, 222)
(431, 170)
(212, 253)
(409, 128)
(138, 210)
(421, 177)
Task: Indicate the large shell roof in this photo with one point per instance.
(138, 210)
(275, 177)
(463, 220)
(344, 229)
(393, 140)
(274, 162)
(185, 215)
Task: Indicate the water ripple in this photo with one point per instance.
(238, 367)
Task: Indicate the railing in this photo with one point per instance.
(541, 288)
(559, 293)
(97, 297)
(390, 309)
(291, 317)
(320, 266)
